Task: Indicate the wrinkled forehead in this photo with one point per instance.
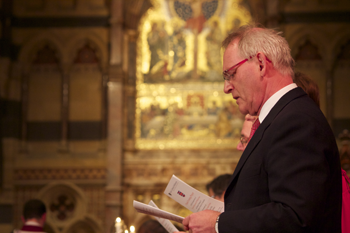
(231, 55)
(233, 47)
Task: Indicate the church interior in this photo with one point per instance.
(102, 101)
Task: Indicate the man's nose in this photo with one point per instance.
(228, 87)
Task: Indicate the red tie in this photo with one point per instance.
(254, 128)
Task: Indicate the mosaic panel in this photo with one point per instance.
(180, 100)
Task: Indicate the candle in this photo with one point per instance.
(118, 225)
(132, 229)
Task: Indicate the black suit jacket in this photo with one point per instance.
(288, 178)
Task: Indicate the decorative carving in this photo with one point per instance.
(63, 207)
(95, 200)
(345, 52)
(86, 55)
(56, 174)
(46, 55)
(308, 51)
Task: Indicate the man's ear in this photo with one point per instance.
(262, 63)
(23, 220)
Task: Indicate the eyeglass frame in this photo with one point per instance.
(244, 140)
(227, 76)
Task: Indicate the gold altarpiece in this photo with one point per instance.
(180, 99)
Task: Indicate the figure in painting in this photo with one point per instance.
(213, 55)
(223, 127)
(178, 45)
(157, 40)
(171, 126)
(213, 109)
(151, 121)
(195, 105)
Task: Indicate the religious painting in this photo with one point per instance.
(180, 99)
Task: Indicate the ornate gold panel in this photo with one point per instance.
(180, 99)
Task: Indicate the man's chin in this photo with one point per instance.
(243, 110)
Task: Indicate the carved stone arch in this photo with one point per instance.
(63, 198)
(303, 35)
(29, 49)
(87, 224)
(94, 41)
(345, 51)
(309, 44)
(342, 39)
(341, 81)
(134, 10)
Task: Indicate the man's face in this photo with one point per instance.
(246, 86)
(245, 132)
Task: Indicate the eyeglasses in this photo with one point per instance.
(228, 76)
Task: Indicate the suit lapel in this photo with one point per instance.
(288, 97)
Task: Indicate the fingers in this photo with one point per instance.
(203, 221)
(186, 222)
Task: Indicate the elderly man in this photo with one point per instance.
(288, 178)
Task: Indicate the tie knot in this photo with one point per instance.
(256, 124)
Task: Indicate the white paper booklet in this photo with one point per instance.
(150, 210)
(191, 198)
(164, 222)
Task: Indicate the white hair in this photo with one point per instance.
(268, 41)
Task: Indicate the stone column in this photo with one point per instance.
(24, 108)
(114, 154)
(64, 109)
(115, 101)
(7, 145)
(104, 109)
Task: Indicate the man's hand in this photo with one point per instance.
(201, 222)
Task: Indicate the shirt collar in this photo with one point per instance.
(32, 223)
(268, 105)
